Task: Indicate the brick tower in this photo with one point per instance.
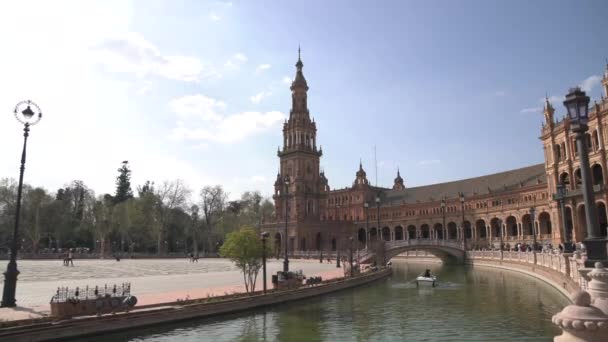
(299, 159)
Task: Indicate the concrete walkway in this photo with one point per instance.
(153, 281)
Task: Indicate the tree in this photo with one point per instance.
(213, 199)
(244, 248)
(35, 215)
(169, 196)
(123, 184)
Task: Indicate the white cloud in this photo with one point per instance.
(287, 80)
(429, 162)
(235, 62)
(262, 67)
(198, 106)
(532, 110)
(258, 179)
(590, 82)
(232, 128)
(257, 98)
(214, 17)
(132, 53)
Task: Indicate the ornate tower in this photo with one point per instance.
(299, 158)
(605, 80)
(548, 111)
(398, 185)
(361, 179)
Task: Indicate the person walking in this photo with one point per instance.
(70, 258)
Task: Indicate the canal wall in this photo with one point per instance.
(53, 330)
(562, 271)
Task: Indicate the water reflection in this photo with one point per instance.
(470, 304)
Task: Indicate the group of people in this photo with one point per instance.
(68, 258)
(193, 257)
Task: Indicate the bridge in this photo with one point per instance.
(446, 250)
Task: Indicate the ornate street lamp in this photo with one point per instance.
(443, 214)
(366, 205)
(560, 196)
(378, 231)
(286, 260)
(577, 104)
(532, 212)
(351, 257)
(462, 235)
(264, 237)
(29, 114)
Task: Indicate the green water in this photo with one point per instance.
(470, 304)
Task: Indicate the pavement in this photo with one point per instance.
(153, 281)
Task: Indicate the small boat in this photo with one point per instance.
(426, 279)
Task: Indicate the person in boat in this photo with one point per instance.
(427, 273)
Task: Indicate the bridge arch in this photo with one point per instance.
(447, 251)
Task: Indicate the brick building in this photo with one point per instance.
(478, 210)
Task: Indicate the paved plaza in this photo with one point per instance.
(152, 280)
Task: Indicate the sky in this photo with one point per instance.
(198, 90)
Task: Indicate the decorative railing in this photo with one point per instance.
(65, 294)
(567, 265)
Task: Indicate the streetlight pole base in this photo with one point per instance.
(285, 265)
(597, 249)
(10, 285)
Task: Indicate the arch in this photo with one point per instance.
(446, 251)
(452, 231)
(526, 225)
(569, 223)
(438, 231)
(558, 152)
(398, 233)
(411, 232)
(495, 228)
(564, 178)
(373, 234)
(386, 234)
(601, 216)
(480, 226)
(361, 236)
(425, 231)
(582, 221)
(318, 245)
(334, 245)
(544, 221)
(303, 244)
(511, 223)
(467, 231)
(597, 175)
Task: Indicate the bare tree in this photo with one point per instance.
(213, 199)
(170, 195)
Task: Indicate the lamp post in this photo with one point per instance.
(577, 104)
(338, 254)
(443, 214)
(560, 196)
(29, 114)
(351, 257)
(264, 237)
(286, 260)
(501, 242)
(532, 212)
(366, 206)
(462, 234)
(378, 231)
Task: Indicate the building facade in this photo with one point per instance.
(482, 212)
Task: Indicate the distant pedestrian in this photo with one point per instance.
(70, 258)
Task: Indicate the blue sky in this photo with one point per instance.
(198, 90)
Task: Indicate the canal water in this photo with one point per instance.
(469, 304)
